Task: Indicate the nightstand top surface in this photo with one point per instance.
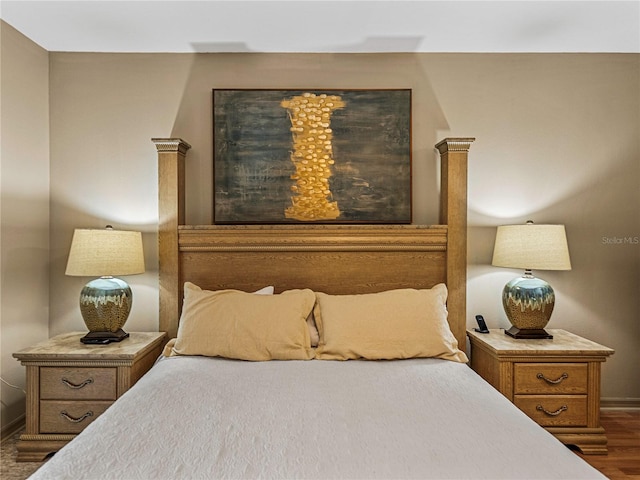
(562, 343)
(67, 346)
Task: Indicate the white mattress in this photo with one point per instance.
(205, 418)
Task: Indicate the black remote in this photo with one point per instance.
(482, 324)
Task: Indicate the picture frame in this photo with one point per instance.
(312, 156)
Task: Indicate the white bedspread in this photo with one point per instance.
(206, 418)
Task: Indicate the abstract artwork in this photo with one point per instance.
(323, 156)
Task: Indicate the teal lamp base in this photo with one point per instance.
(528, 302)
(105, 304)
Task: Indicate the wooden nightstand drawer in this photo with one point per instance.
(78, 383)
(554, 378)
(69, 417)
(554, 410)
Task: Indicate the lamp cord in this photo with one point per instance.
(12, 386)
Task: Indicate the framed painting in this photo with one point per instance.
(323, 156)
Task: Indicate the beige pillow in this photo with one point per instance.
(404, 323)
(240, 325)
(268, 290)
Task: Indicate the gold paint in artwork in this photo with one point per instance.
(312, 156)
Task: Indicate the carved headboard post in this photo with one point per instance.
(453, 213)
(171, 210)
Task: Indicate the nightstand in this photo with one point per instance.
(555, 381)
(69, 384)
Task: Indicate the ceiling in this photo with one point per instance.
(328, 26)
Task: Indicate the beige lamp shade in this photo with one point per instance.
(105, 252)
(532, 247)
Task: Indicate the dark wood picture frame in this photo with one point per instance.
(312, 156)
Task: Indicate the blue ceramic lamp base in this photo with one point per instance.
(105, 304)
(528, 302)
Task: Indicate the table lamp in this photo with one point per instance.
(105, 302)
(528, 301)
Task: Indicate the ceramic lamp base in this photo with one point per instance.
(528, 303)
(105, 304)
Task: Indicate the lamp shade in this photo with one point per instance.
(105, 252)
(531, 247)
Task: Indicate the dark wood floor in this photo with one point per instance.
(623, 434)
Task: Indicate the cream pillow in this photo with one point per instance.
(268, 290)
(240, 325)
(404, 323)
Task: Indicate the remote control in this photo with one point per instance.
(482, 324)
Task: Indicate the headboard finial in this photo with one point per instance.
(171, 145)
(454, 144)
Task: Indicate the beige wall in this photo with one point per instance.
(557, 141)
(24, 206)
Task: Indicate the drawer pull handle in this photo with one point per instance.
(77, 386)
(562, 377)
(68, 417)
(563, 408)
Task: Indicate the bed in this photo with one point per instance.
(313, 351)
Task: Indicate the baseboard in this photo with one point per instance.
(613, 403)
(11, 428)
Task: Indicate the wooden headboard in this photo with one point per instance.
(333, 259)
